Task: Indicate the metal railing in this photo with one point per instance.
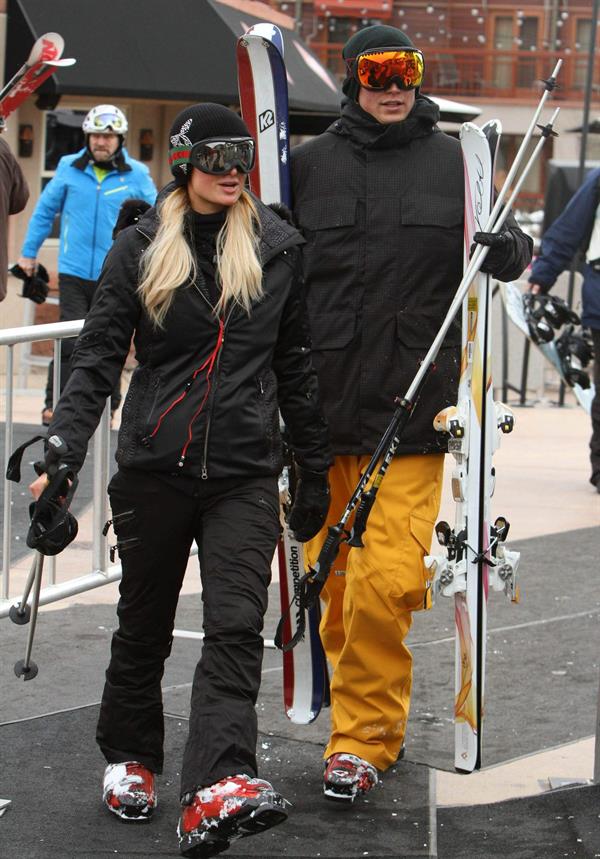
(100, 573)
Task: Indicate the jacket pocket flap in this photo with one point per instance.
(328, 213)
(332, 330)
(433, 211)
(419, 330)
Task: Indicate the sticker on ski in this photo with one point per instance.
(305, 678)
(43, 60)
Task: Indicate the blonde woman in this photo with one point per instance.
(208, 285)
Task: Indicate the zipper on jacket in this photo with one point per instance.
(213, 363)
(66, 237)
(208, 420)
(98, 186)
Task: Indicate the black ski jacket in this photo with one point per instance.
(176, 418)
(381, 208)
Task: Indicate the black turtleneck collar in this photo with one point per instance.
(203, 230)
(364, 129)
(207, 223)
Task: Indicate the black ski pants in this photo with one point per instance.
(595, 439)
(235, 524)
(75, 296)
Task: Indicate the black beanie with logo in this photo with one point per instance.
(196, 123)
(375, 36)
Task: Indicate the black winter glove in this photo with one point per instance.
(311, 504)
(500, 247)
(35, 286)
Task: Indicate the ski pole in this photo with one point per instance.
(21, 612)
(317, 576)
(549, 86)
(26, 668)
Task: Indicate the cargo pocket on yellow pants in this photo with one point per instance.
(415, 583)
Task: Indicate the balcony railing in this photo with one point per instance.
(485, 73)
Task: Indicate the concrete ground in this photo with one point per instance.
(542, 693)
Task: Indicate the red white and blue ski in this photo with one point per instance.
(262, 82)
(475, 558)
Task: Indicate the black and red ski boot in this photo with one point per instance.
(128, 791)
(234, 807)
(347, 776)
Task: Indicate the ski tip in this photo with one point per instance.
(270, 32)
(48, 47)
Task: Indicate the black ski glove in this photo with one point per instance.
(311, 504)
(500, 247)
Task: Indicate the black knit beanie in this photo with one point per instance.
(375, 36)
(196, 123)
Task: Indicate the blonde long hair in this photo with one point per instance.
(169, 261)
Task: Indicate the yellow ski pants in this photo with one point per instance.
(368, 603)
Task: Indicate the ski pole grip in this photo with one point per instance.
(361, 518)
(327, 555)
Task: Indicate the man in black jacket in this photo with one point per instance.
(380, 198)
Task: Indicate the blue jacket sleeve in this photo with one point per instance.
(566, 235)
(48, 206)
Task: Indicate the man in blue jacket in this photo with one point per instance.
(578, 227)
(87, 191)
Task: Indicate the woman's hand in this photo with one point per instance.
(37, 487)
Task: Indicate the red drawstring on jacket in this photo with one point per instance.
(209, 363)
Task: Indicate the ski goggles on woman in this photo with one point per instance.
(217, 156)
(377, 69)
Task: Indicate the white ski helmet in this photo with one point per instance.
(104, 119)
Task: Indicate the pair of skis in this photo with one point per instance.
(43, 60)
(263, 90)
(475, 558)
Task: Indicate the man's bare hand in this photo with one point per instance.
(28, 264)
(37, 487)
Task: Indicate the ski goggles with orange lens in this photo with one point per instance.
(217, 156)
(378, 69)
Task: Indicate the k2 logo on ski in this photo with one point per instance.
(265, 120)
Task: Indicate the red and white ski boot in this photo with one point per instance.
(128, 791)
(234, 807)
(347, 776)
